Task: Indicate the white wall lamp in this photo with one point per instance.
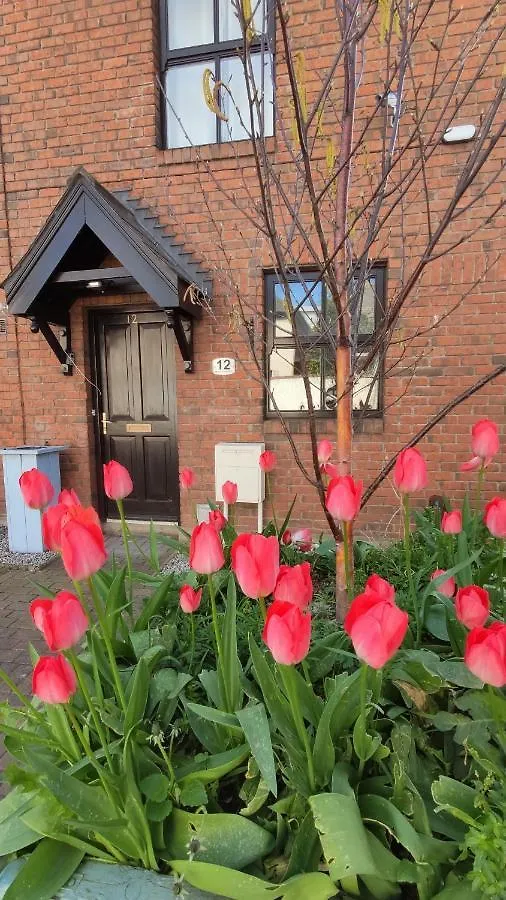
(459, 134)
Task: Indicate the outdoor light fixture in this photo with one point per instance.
(391, 101)
(94, 284)
(459, 133)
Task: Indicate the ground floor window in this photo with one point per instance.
(301, 337)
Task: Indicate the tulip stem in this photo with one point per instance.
(268, 495)
(217, 638)
(74, 660)
(501, 576)
(363, 710)
(263, 608)
(84, 603)
(89, 753)
(287, 677)
(124, 533)
(347, 550)
(192, 640)
(24, 700)
(107, 641)
(409, 570)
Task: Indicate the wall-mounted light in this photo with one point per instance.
(391, 101)
(94, 284)
(457, 134)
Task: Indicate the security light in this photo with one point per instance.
(459, 133)
(94, 284)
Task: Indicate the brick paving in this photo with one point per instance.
(17, 589)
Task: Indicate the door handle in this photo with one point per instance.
(105, 423)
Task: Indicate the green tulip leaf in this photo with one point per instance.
(343, 836)
(224, 839)
(14, 833)
(255, 725)
(47, 869)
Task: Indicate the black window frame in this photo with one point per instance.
(379, 270)
(214, 52)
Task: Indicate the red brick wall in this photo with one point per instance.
(78, 87)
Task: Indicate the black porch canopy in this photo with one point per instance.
(66, 261)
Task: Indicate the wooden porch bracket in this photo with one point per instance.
(61, 347)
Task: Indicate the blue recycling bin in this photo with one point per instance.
(24, 525)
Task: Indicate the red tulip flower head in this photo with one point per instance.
(447, 587)
(294, 585)
(229, 492)
(82, 542)
(343, 498)
(36, 488)
(484, 444)
(286, 537)
(206, 551)
(377, 628)
(255, 564)
(495, 517)
(51, 526)
(68, 497)
(217, 519)
(451, 522)
(62, 621)
(410, 471)
(117, 481)
(381, 587)
(54, 680)
(303, 539)
(287, 632)
(187, 478)
(331, 470)
(472, 606)
(485, 654)
(189, 598)
(324, 451)
(267, 461)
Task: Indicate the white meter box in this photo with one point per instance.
(239, 463)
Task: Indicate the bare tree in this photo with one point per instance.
(357, 142)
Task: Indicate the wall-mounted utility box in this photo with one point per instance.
(239, 463)
(24, 525)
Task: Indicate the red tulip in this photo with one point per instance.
(331, 470)
(485, 654)
(217, 519)
(255, 563)
(343, 498)
(472, 606)
(62, 621)
(82, 542)
(229, 492)
(206, 551)
(51, 526)
(484, 444)
(410, 471)
(451, 523)
(495, 517)
(287, 632)
(377, 628)
(294, 585)
(325, 449)
(54, 680)
(380, 587)
(36, 488)
(189, 598)
(68, 497)
(187, 478)
(286, 537)
(267, 460)
(447, 587)
(117, 481)
(303, 539)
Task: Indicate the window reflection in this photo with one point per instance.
(183, 85)
(190, 23)
(307, 309)
(287, 383)
(236, 107)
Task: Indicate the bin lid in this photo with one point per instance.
(34, 450)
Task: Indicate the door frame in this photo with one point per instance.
(94, 314)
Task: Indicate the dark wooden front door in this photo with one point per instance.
(137, 409)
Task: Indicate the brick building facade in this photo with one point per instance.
(79, 91)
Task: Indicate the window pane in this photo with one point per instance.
(307, 311)
(190, 23)
(236, 107)
(185, 99)
(286, 381)
(230, 28)
(367, 307)
(365, 391)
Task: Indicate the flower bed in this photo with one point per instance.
(230, 733)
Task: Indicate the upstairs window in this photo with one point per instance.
(201, 46)
(315, 323)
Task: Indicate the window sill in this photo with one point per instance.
(299, 423)
(210, 152)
